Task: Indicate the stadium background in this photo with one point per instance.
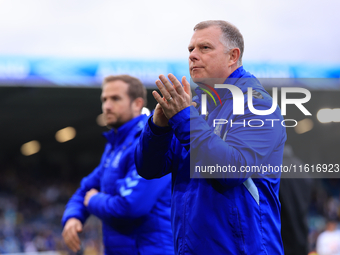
(53, 56)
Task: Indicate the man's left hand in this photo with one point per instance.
(177, 97)
(88, 196)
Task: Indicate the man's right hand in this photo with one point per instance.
(70, 233)
(159, 118)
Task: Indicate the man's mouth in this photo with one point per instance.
(194, 68)
(109, 115)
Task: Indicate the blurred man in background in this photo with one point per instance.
(328, 242)
(232, 212)
(295, 196)
(135, 212)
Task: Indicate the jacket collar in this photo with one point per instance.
(117, 136)
(224, 94)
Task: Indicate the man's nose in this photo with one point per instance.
(107, 105)
(194, 56)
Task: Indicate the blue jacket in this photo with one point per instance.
(238, 212)
(135, 212)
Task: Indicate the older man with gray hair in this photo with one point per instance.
(219, 205)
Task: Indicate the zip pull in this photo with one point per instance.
(206, 116)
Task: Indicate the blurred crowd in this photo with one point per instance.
(324, 207)
(31, 208)
(32, 204)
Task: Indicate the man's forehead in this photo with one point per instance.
(201, 42)
(206, 35)
(115, 87)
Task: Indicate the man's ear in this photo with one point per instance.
(137, 106)
(234, 56)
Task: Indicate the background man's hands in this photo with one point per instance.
(70, 233)
(88, 196)
(175, 98)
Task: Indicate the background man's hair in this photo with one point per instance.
(231, 36)
(136, 88)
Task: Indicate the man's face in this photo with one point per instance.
(116, 104)
(207, 57)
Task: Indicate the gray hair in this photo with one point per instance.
(231, 36)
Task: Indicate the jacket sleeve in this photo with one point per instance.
(135, 196)
(153, 154)
(75, 207)
(244, 146)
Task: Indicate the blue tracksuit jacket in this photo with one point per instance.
(239, 212)
(135, 212)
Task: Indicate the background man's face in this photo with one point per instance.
(207, 57)
(116, 104)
